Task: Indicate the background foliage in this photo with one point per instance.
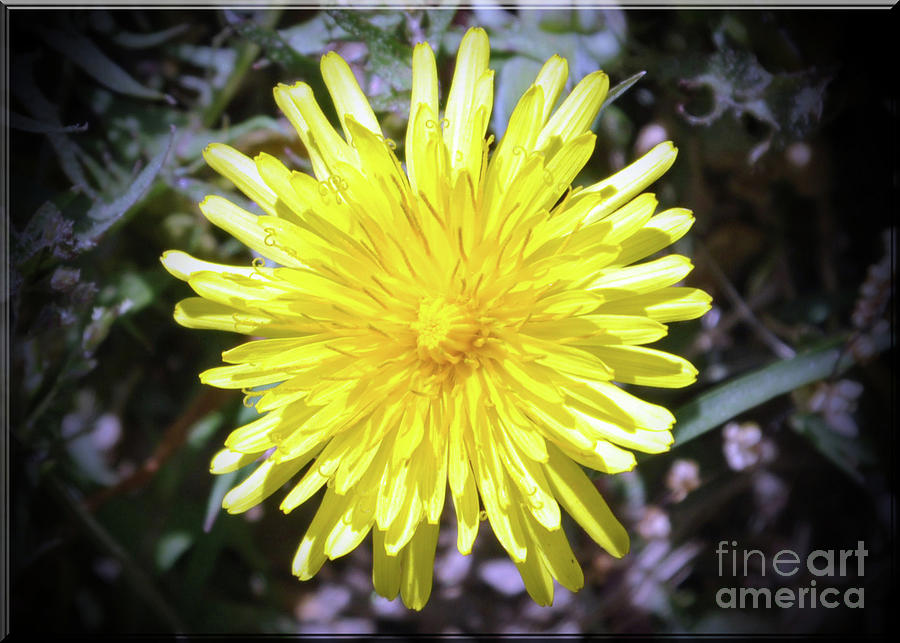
(787, 134)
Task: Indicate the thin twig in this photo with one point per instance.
(173, 437)
(765, 335)
(133, 574)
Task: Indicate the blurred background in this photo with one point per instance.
(786, 124)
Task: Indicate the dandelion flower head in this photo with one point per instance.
(461, 323)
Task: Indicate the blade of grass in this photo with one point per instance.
(620, 89)
(721, 403)
(247, 53)
(134, 575)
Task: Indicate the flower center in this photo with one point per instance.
(447, 331)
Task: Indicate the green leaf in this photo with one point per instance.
(439, 20)
(90, 460)
(137, 289)
(311, 38)
(514, 77)
(204, 429)
(133, 40)
(379, 41)
(170, 548)
(620, 89)
(844, 452)
(47, 229)
(389, 57)
(86, 55)
(720, 404)
(191, 144)
(273, 45)
(223, 483)
(26, 124)
(246, 54)
(105, 214)
(219, 60)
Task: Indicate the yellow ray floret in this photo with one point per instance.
(463, 322)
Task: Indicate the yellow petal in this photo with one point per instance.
(325, 146)
(266, 480)
(496, 493)
(256, 436)
(646, 366)
(600, 199)
(310, 554)
(598, 329)
(664, 305)
(608, 399)
(555, 553)
(529, 477)
(537, 578)
(291, 204)
(423, 119)
(466, 90)
(241, 170)
(551, 79)
(631, 180)
(407, 519)
(584, 503)
(624, 222)
(569, 360)
(418, 565)
(354, 525)
(197, 312)
(637, 439)
(182, 265)
(518, 139)
(462, 488)
(242, 376)
(643, 277)
(433, 495)
(386, 570)
(577, 112)
(226, 461)
(345, 92)
(244, 227)
(659, 232)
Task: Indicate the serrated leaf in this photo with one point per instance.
(378, 40)
(389, 58)
(274, 46)
(48, 229)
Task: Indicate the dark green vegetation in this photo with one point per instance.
(787, 130)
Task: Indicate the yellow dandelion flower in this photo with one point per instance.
(461, 322)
